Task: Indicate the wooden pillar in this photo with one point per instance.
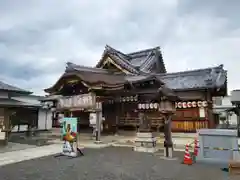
(210, 117)
(117, 106)
(4, 126)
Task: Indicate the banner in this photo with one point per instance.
(69, 136)
(92, 119)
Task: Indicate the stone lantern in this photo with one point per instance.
(165, 98)
(167, 108)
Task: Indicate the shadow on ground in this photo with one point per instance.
(35, 140)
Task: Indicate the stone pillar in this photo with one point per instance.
(168, 144)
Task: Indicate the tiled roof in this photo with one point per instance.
(7, 87)
(71, 66)
(100, 76)
(148, 61)
(91, 76)
(214, 77)
(13, 103)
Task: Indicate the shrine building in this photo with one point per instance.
(122, 85)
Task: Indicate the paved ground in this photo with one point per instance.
(109, 164)
(15, 147)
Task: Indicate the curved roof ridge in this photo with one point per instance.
(109, 48)
(143, 50)
(72, 66)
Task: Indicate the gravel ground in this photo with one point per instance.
(110, 164)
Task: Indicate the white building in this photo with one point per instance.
(44, 115)
(220, 105)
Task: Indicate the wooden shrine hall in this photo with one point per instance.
(126, 84)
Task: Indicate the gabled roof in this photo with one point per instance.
(100, 77)
(214, 77)
(90, 76)
(7, 87)
(148, 60)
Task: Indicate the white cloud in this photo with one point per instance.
(38, 37)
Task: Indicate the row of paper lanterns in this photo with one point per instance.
(148, 106)
(191, 104)
(126, 99)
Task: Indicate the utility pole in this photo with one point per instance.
(238, 120)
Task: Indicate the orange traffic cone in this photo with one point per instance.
(187, 158)
(196, 146)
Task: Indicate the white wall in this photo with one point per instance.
(44, 119)
(226, 104)
(226, 101)
(233, 119)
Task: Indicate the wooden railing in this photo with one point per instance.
(189, 126)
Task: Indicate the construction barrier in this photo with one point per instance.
(233, 166)
(221, 149)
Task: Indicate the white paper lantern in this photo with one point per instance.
(139, 106)
(131, 98)
(204, 104)
(147, 106)
(189, 104)
(199, 104)
(135, 98)
(176, 105)
(155, 105)
(194, 104)
(179, 105)
(184, 105)
(151, 106)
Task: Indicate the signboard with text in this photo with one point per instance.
(78, 101)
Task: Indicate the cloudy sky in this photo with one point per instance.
(37, 38)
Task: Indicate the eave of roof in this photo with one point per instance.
(10, 88)
(213, 77)
(16, 103)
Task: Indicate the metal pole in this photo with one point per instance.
(99, 124)
(238, 120)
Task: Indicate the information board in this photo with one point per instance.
(69, 136)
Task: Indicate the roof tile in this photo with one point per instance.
(201, 78)
(7, 87)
